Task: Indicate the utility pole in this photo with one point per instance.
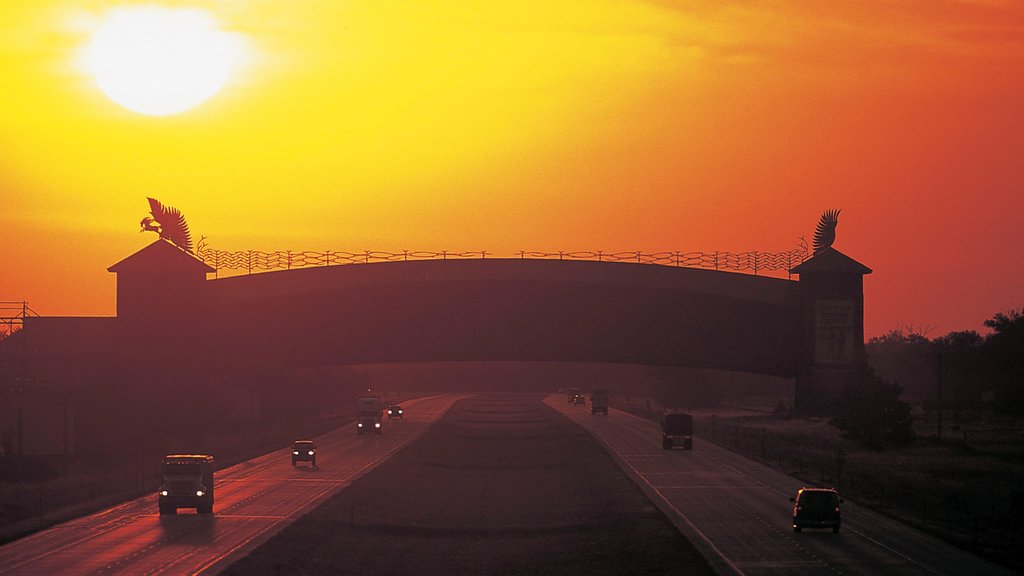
(938, 386)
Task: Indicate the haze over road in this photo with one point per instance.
(736, 511)
(733, 510)
(254, 500)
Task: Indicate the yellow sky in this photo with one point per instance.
(506, 126)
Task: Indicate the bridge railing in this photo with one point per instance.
(754, 262)
(12, 317)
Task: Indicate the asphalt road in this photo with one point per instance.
(502, 485)
(737, 511)
(733, 510)
(254, 500)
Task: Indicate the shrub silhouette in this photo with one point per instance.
(869, 412)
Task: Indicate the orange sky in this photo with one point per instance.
(604, 125)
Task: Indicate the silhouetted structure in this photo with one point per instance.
(825, 231)
(168, 223)
(174, 323)
(832, 317)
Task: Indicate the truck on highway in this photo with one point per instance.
(599, 401)
(187, 482)
(677, 430)
(368, 417)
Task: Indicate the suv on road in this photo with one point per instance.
(816, 508)
(304, 451)
(395, 411)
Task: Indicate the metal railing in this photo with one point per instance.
(250, 261)
(12, 317)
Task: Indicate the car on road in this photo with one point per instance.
(303, 451)
(816, 508)
(579, 400)
(395, 411)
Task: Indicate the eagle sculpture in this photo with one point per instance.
(825, 232)
(169, 223)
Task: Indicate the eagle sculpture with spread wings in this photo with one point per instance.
(169, 223)
(825, 232)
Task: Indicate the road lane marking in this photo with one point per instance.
(782, 563)
(661, 497)
(846, 525)
(265, 534)
(762, 485)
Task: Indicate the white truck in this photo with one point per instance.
(368, 417)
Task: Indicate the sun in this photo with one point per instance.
(159, 61)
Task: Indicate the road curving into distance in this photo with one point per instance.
(737, 511)
(254, 500)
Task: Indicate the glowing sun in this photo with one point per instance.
(159, 61)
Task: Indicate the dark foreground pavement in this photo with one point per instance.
(501, 485)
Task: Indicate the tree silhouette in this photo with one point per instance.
(869, 411)
(1004, 357)
(905, 356)
(959, 366)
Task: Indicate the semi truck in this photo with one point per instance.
(368, 418)
(677, 430)
(187, 482)
(599, 401)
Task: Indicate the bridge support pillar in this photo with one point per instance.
(832, 328)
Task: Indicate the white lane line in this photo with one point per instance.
(849, 528)
(289, 479)
(264, 534)
(94, 533)
(692, 526)
(232, 516)
(846, 525)
(784, 564)
(730, 486)
(636, 474)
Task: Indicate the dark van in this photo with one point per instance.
(816, 508)
(677, 430)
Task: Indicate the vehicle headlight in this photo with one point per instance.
(310, 452)
(295, 452)
(376, 425)
(360, 424)
(163, 492)
(200, 492)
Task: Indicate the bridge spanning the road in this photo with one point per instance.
(172, 317)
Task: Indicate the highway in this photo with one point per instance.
(254, 500)
(737, 511)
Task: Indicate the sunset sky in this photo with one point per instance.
(538, 125)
